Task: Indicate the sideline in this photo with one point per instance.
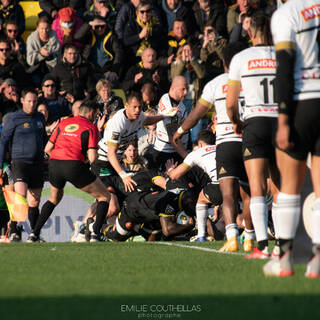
(196, 248)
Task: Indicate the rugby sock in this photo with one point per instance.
(33, 215)
(249, 234)
(316, 222)
(102, 210)
(202, 213)
(274, 219)
(231, 230)
(288, 214)
(259, 215)
(46, 212)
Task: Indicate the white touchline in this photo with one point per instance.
(196, 248)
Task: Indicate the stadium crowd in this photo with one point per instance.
(185, 151)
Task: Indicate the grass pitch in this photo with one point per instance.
(145, 281)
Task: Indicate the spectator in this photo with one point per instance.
(174, 9)
(106, 100)
(211, 52)
(10, 10)
(240, 30)
(103, 9)
(43, 50)
(73, 74)
(177, 37)
(57, 105)
(51, 7)
(10, 67)
(242, 6)
(103, 49)
(146, 71)
(43, 108)
(214, 11)
(66, 24)
(131, 160)
(18, 47)
(9, 97)
(25, 130)
(149, 97)
(143, 32)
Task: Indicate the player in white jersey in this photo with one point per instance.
(205, 158)
(253, 70)
(163, 148)
(295, 29)
(120, 129)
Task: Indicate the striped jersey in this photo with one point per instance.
(205, 158)
(169, 125)
(119, 131)
(255, 69)
(214, 94)
(296, 25)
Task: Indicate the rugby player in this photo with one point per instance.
(295, 30)
(73, 140)
(253, 70)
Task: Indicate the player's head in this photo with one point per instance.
(260, 28)
(179, 88)
(133, 105)
(231, 50)
(206, 137)
(88, 109)
(187, 202)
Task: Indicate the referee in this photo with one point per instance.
(74, 139)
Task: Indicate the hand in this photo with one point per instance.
(144, 33)
(1, 172)
(44, 52)
(170, 164)
(53, 126)
(54, 14)
(101, 121)
(16, 46)
(67, 31)
(240, 17)
(156, 78)
(70, 98)
(14, 96)
(171, 113)
(170, 59)
(137, 77)
(176, 137)
(283, 133)
(237, 128)
(129, 183)
(103, 12)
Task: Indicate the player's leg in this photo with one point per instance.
(202, 214)
(257, 171)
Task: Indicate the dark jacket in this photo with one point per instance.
(113, 104)
(50, 5)
(26, 134)
(7, 105)
(74, 79)
(13, 12)
(217, 16)
(64, 108)
(13, 69)
(129, 84)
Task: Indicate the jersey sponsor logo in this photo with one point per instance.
(207, 149)
(169, 210)
(261, 64)
(26, 125)
(115, 135)
(311, 12)
(225, 88)
(162, 107)
(71, 127)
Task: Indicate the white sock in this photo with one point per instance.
(259, 215)
(316, 222)
(274, 218)
(249, 234)
(288, 215)
(231, 230)
(202, 213)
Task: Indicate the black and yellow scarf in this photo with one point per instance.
(145, 43)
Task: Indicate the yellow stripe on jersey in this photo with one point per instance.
(185, 165)
(165, 215)
(234, 83)
(110, 143)
(180, 200)
(205, 103)
(156, 177)
(285, 45)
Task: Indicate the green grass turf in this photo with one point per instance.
(103, 281)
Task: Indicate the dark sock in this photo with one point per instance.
(13, 227)
(262, 244)
(102, 210)
(285, 245)
(46, 212)
(33, 215)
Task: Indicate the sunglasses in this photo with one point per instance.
(100, 26)
(12, 31)
(145, 11)
(4, 49)
(49, 85)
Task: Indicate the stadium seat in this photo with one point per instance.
(31, 10)
(120, 93)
